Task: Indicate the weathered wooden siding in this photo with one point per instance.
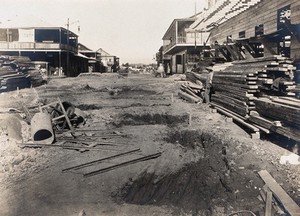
(264, 12)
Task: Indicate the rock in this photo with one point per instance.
(6, 168)
(14, 128)
(31, 159)
(82, 213)
(18, 160)
(209, 117)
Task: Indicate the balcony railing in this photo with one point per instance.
(191, 38)
(180, 40)
(35, 46)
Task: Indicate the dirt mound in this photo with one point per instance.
(187, 189)
(186, 138)
(201, 187)
(87, 88)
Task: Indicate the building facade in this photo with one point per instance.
(55, 45)
(188, 41)
(181, 49)
(94, 59)
(110, 62)
(273, 29)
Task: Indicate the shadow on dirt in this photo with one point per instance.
(151, 119)
(127, 92)
(200, 188)
(89, 107)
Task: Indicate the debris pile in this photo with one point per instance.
(194, 89)
(192, 92)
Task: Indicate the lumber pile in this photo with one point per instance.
(198, 78)
(296, 90)
(236, 86)
(278, 114)
(191, 92)
(277, 77)
(260, 92)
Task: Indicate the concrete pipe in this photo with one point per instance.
(41, 129)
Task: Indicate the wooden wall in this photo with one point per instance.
(265, 13)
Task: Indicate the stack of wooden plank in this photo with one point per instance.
(260, 92)
(236, 86)
(277, 77)
(191, 92)
(278, 114)
(198, 78)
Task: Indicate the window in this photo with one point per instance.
(242, 34)
(259, 30)
(229, 39)
(178, 59)
(47, 35)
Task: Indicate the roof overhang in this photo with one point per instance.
(182, 47)
(173, 23)
(81, 56)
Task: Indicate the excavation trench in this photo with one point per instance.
(128, 92)
(151, 119)
(201, 188)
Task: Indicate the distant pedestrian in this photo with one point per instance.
(160, 71)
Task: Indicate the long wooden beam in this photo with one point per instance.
(106, 169)
(99, 160)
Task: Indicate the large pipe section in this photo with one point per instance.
(41, 129)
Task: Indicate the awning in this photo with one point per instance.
(81, 56)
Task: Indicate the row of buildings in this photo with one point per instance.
(231, 30)
(58, 47)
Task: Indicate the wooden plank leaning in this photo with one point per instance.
(289, 204)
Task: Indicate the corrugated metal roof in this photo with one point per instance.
(220, 12)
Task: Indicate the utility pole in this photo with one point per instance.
(195, 34)
(68, 54)
(68, 43)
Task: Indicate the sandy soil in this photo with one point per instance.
(208, 164)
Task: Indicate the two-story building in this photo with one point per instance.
(55, 45)
(110, 62)
(188, 40)
(181, 48)
(94, 58)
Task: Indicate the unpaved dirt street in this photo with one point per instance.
(208, 165)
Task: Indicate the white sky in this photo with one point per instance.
(130, 29)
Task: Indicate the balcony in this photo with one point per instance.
(180, 43)
(7, 46)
